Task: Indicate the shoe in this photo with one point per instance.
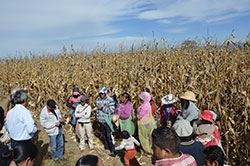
(82, 150)
(112, 154)
(63, 159)
(57, 161)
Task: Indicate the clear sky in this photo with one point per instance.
(46, 25)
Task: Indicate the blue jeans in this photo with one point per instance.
(56, 145)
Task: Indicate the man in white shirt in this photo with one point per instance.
(51, 120)
(82, 113)
(20, 123)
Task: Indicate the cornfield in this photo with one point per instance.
(219, 76)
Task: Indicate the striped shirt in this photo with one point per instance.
(183, 160)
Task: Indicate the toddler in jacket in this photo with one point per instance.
(128, 144)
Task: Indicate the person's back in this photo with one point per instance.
(195, 149)
(20, 116)
(188, 145)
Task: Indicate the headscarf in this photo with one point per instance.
(145, 96)
(145, 107)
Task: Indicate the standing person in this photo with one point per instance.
(146, 123)
(104, 113)
(128, 143)
(189, 110)
(188, 145)
(124, 111)
(112, 94)
(82, 113)
(20, 116)
(168, 110)
(51, 120)
(72, 103)
(166, 149)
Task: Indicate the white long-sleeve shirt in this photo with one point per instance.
(128, 143)
(83, 113)
(48, 120)
(20, 123)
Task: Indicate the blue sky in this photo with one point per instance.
(45, 26)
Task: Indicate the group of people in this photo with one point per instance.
(185, 135)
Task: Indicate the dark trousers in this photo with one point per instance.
(106, 136)
(14, 143)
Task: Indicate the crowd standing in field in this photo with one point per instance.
(185, 137)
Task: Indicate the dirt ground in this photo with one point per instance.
(72, 152)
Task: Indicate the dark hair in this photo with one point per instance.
(5, 155)
(165, 137)
(188, 138)
(24, 150)
(19, 97)
(214, 153)
(125, 134)
(1, 117)
(51, 103)
(127, 96)
(87, 160)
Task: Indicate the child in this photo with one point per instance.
(128, 143)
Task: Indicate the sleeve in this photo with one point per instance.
(88, 110)
(59, 114)
(139, 113)
(44, 121)
(122, 145)
(117, 108)
(29, 122)
(109, 108)
(135, 141)
(77, 114)
(68, 103)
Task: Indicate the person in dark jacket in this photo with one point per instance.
(188, 145)
(72, 102)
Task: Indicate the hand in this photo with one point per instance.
(57, 124)
(100, 107)
(73, 106)
(60, 120)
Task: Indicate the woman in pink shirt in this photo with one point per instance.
(125, 112)
(146, 123)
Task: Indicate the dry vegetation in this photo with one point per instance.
(219, 76)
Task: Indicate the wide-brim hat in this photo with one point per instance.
(207, 115)
(189, 96)
(183, 128)
(169, 99)
(204, 130)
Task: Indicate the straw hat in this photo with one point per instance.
(188, 95)
(169, 99)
